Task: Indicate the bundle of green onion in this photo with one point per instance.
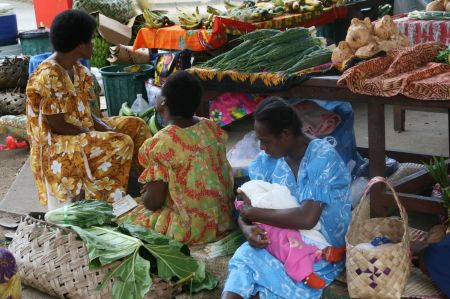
(226, 246)
(83, 213)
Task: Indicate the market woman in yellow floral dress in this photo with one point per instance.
(75, 154)
(188, 189)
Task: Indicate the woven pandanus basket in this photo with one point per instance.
(55, 261)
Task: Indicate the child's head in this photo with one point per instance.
(181, 94)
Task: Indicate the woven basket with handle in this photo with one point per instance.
(381, 272)
(53, 260)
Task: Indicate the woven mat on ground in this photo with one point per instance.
(404, 170)
(257, 82)
(409, 71)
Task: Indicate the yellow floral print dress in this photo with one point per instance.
(192, 161)
(62, 165)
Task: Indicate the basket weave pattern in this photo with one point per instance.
(381, 272)
(53, 260)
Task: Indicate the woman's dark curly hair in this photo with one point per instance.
(278, 115)
(70, 29)
(183, 93)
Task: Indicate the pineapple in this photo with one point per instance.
(119, 10)
(14, 72)
(12, 103)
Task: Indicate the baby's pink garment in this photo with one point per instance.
(288, 247)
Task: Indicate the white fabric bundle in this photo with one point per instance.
(275, 196)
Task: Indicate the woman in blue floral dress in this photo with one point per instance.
(316, 175)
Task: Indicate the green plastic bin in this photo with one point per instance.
(34, 42)
(121, 87)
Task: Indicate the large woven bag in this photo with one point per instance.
(55, 261)
(381, 272)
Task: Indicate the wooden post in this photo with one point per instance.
(376, 128)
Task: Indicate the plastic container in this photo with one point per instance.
(46, 10)
(121, 87)
(34, 42)
(8, 25)
(139, 105)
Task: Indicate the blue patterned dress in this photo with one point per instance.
(322, 177)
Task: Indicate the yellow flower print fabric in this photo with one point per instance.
(62, 165)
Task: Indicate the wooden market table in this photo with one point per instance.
(326, 88)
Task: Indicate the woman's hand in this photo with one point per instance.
(242, 196)
(246, 212)
(256, 236)
(59, 126)
(100, 125)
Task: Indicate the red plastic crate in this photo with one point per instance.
(46, 10)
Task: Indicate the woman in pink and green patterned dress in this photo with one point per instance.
(188, 186)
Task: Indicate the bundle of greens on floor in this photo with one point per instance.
(83, 213)
(269, 50)
(139, 250)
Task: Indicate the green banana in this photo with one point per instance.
(152, 124)
(126, 110)
(147, 112)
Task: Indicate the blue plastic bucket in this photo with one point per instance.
(8, 29)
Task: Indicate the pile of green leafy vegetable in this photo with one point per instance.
(83, 213)
(139, 250)
(444, 56)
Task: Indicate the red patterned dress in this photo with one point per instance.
(192, 161)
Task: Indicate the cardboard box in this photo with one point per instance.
(113, 31)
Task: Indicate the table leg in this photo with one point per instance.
(448, 130)
(399, 118)
(377, 148)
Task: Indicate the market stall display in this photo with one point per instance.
(267, 59)
(365, 40)
(177, 38)
(410, 71)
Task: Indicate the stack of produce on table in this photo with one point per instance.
(438, 5)
(364, 39)
(246, 11)
(100, 52)
(139, 251)
(119, 10)
(269, 50)
(156, 18)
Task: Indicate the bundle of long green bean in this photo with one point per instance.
(269, 50)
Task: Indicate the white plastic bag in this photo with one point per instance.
(139, 105)
(243, 153)
(357, 189)
(96, 73)
(152, 92)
